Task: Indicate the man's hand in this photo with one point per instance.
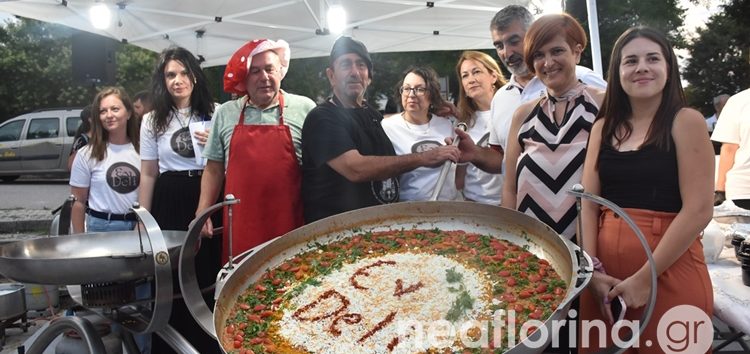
(436, 156)
(466, 145)
(719, 197)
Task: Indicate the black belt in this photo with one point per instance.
(188, 173)
(110, 216)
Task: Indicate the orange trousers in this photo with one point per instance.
(686, 282)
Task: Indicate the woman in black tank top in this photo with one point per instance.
(649, 154)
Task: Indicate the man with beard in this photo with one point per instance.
(348, 161)
(508, 29)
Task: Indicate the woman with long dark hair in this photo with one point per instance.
(649, 154)
(171, 182)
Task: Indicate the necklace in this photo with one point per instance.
(417, 127)
(567, 97)
(184, 116)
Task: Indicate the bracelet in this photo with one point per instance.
(598, 265)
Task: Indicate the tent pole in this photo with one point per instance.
(596, 51)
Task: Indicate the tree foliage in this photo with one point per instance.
(35, 64)
(616, 16)
(719, 56)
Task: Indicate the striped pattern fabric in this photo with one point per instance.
(551, 161)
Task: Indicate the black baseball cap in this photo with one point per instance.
(346, 45)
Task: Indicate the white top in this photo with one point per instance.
(734, 128)
(173, 148)
(407, 138)
(503, 105)
(112, 182)
(481, 186)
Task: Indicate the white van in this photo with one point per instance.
(37, 143)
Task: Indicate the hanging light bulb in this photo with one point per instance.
(100, 16)
(336, 19)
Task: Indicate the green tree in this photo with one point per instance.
(719, 56)
(35, 64)
(616, 16)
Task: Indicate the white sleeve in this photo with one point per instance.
(80, 172)
(590, 78)
(149, 146)
(727, 129)
(495, 120)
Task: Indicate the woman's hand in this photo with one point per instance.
(202, 136)
(635, 290)
(600, 285)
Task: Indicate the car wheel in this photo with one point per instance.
(9, 178)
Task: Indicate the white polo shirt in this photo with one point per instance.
(734, 127)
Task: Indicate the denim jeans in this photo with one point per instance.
(94, 224)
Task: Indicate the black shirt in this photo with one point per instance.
(645, 179)
(328, 132)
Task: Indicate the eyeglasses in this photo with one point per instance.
(417, 91)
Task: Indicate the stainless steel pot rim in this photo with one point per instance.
(470, 217)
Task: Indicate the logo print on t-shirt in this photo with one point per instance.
(182, 144)
(385, 191)
(424, 145)
(123, 178)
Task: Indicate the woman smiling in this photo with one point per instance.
(547, 140)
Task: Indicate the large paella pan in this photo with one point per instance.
(482, 222)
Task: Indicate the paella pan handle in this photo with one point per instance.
(446, 166)
(162, 307)
(191, 292)
(579, 193)
(84, 328)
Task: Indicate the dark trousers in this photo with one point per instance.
(174, 203)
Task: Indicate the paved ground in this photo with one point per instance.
(20, 223)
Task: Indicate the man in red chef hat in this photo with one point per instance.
(256, 140)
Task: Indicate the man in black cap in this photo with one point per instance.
(347, 160)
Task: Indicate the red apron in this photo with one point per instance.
(264, 175)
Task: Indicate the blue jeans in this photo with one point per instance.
(94, 224)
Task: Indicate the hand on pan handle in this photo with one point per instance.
(719, 197)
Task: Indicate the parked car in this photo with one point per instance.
(37, 143)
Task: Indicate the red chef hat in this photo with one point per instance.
(237, 68)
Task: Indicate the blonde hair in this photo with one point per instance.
(467, 106)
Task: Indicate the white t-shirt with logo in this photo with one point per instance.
(481, 186)
(174, 147)
(112, 182)
(407, 138)
(734, 127)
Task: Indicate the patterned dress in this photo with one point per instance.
(551, 159)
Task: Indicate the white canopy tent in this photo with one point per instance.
(214, 29)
